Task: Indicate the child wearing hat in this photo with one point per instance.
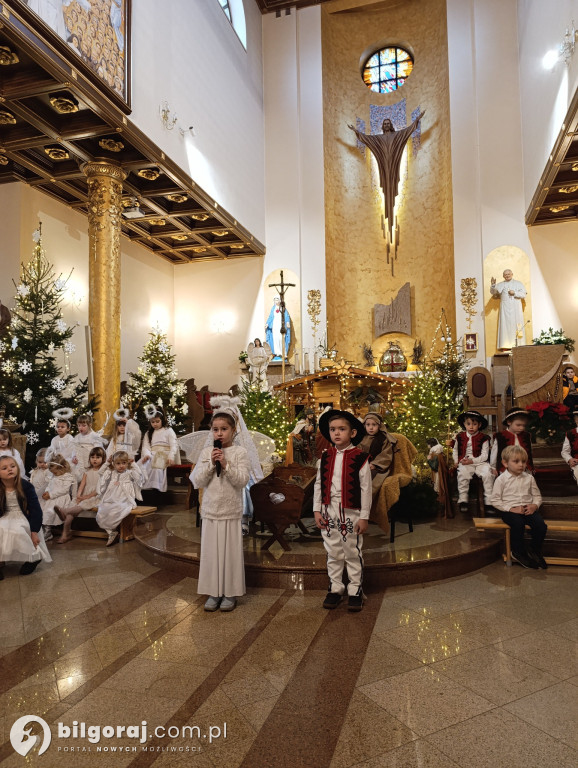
(570, 446)
(341, 504)
(515, 433)
(471, 450)
(380, 446)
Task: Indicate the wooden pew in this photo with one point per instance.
(126, 526)
(496, 524)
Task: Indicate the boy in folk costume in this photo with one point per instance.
(515, 433)
(471, 451)
(570, 447)
(341, 504)
(380, 446)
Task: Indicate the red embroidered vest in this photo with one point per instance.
(505, 438)
(572, 436)
(353, 461)
(478, 441)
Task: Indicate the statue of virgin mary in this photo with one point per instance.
(273, 331)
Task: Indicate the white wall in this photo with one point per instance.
(187, 53)
(487, 165)
(545, 94)
(294, 181)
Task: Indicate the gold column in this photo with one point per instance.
(104, 231)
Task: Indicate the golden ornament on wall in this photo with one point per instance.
(157, 222)
(177, 197)
(57, 153)
(220, 233)
(111, 145)
(569, 190)
(7, 118)
(7, 56)
(314, 310)
(199, 216)
(469, 298)
(64, 105)
(575, 166)
(150, 174)
(236, 246)
(559, 208)
(180, 237)
(4, 160)
(200, 249)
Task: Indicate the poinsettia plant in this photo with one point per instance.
(549, 421)
(552, 336)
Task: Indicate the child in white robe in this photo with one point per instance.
(40, 475)
(84, 442)
(159, 450)
(60, 491)
(63, 443)
(118, 488)
(223, 473)
(7, 449)
(86, 497)
(126, 435)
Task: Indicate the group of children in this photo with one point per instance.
(77, 474)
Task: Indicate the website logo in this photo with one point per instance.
(23, 739)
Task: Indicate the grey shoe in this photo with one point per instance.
(112, 538)
(212, 604)
(47, 533)
(228, 604)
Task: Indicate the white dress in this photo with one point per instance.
(118, 492)
(162, 449)
(15, 542)
(14, 454)
(126, 442)
(511, 321)
(39, 479)
(92, 478)
(222, 568)
(83, 445)
(62, 490)
(65, 446)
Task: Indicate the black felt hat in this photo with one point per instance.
(353, 421)
(575, 411)
(515, 412)
(472, 415)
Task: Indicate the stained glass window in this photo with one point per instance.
(387, 70)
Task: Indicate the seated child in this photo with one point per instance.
(62, 443)
(86, 496)
(515, 433)
(60, 491)
(85, 441)
(570, 388)
(433, 460)
(570, 446)
(380, 446)
(40, 476)
(517, 497)
(342, 509)
(7, 449)
(118, 488)
(304, 438)
(471, 453)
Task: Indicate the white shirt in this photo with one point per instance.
(513, 490)
(364, 481)
(567, 451)
(483, 457)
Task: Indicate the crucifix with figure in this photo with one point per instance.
(281, 289)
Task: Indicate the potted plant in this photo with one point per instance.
(549, 422)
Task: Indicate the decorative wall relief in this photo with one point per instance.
(394, 317)
(469, 298)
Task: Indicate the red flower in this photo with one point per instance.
(539, 407)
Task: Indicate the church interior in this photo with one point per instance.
(248, 215)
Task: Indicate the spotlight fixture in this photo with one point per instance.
(133, 210)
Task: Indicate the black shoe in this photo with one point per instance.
(489, 510)
(28, 568)
(463, 507)
(536, 556)
(1, 573)
(355, 603)
(332, 600)
(524, 561)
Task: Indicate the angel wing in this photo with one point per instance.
(193, 444)
(267, 348)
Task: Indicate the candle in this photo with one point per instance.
(306, 362)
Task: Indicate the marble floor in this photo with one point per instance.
(477, 671)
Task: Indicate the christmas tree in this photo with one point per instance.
(33, 383)
(264, 412)
(447, 361)
(157, 381)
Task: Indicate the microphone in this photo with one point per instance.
(218, 444)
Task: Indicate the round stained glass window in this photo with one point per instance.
(387, 70)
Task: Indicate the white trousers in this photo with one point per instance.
(575, 472)
(343, 548)
(465, 474)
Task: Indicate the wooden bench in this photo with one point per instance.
(496, 524)
(126, 526)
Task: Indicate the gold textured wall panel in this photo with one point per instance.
(358, 275)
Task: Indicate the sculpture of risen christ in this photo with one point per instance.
(387, 148)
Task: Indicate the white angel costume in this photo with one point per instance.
(224, 504)
(62, 490)
(258, 358)
(160, 450)
(90, 486)
(15, 542)
(511, 321)
(82, 448)
(39, 479)
(129, 442)
(118, 492)
(14, 454)
(65, 446)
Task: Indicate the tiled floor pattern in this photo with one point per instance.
(476, 671)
